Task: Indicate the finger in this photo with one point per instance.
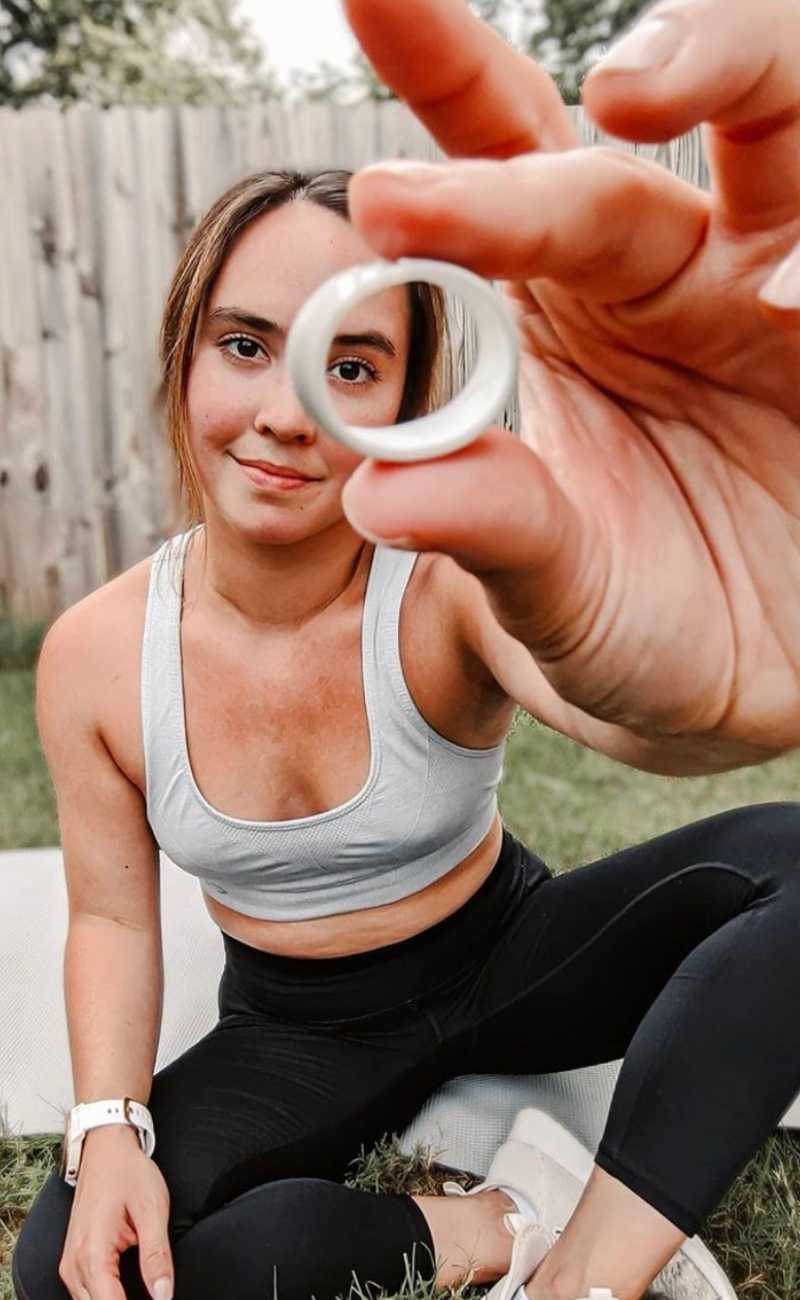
(519, 522)
(475, 93)
(76, 1288)
(96, 1281)
(155, 1256)
(516, 508)
(733, 64)
(599, 221)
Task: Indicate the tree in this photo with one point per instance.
(129, 51)
(574, 33)
(332, 82)
(358, 80)
(565, 36)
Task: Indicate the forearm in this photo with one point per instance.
(514, 665)
(113, 988)
(690, 755)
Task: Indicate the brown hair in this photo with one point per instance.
(429, 380)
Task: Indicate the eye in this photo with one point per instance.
(247, 348)
(241, 347)
(365, 365)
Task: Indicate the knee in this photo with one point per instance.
(284, 1217)
(762, 838)
(40, 1244)
(309, 1235)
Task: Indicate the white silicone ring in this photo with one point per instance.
(466, 417)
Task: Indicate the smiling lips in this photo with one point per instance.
(277, 476)
(282, 471)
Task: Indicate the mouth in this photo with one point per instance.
(274, 476)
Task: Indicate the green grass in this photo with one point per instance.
(571, 806)
(27, 807)
(20, 640)
(24, 1166)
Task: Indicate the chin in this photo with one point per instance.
(267, 522)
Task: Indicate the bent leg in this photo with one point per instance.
(312, 1061)
(254, 1102)
(682, 956)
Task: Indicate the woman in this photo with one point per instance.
(315, 727)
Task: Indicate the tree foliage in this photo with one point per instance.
(128, 51)
(348, 84)
(572, 34)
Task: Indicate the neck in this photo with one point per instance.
(261, 586)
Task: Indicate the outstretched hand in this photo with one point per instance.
(648, 522)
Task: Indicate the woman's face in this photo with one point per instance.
(241, 402)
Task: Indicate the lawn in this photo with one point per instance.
(571, 806)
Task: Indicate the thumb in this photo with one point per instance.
(497, 510)
(493, 505)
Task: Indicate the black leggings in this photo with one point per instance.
(681, 954)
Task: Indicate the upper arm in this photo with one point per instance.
(110, 854)
(508, 665)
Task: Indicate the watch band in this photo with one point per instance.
(93, 1114)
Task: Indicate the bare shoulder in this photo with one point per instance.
(99, 638)
(458, 599)
(103, 618)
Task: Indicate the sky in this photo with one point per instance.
(300, 33)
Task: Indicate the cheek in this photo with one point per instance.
(378, 406)
(340, 459)
(212, 411)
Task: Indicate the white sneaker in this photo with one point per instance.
(546, 1164)
(595, 1293)
(542, 1162)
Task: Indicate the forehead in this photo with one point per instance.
(281, 257)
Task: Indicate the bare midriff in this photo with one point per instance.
(370, 927)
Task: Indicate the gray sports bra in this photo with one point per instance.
(425, 805)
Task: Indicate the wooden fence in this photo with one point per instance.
(94, 209)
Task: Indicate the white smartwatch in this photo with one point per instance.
(92, 1114)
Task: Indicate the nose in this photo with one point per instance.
(279, 410)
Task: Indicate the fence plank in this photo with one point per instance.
(23, 578)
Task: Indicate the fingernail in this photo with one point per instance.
(388, 541)
(783, 286)
(405, 171)
(379, 541)
(650, 45)
(162, 1289)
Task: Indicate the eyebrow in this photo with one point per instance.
(237, 316)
